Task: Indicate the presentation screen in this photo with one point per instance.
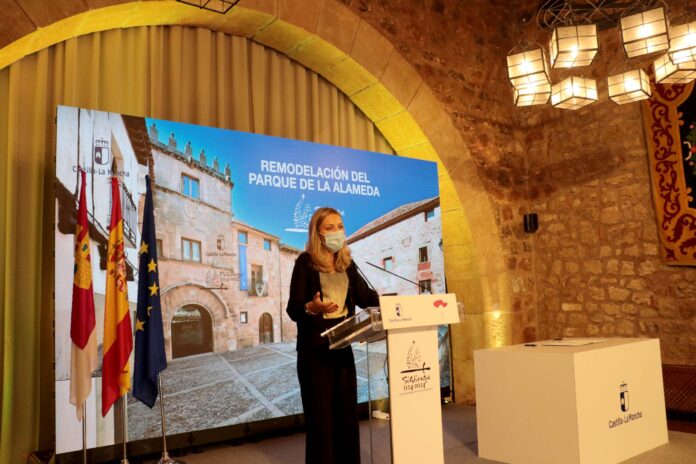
(231, 214)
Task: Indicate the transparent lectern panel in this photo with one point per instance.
(365, 333)
(374, 390)
(362, 327)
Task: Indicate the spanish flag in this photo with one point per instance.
(118, 335)
(83, 356)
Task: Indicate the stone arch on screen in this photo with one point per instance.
(194, 294)
(363, 64)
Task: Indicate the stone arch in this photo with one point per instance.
(266, 328)
(192, 294)
(192, 336)
(328, 38)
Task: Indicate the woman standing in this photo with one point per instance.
(324, 290)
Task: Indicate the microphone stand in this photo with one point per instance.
(365, 277)
(421, 287)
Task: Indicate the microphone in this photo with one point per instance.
(421, 287)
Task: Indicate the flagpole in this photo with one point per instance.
(165, 456)
(125, 428)
(84, 433)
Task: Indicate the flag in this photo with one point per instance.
(150, 358)
(118, 335)
(83, 356)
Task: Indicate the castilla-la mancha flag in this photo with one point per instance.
(118, 334)
(83, 356)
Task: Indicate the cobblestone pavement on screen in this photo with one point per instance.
(218, 389)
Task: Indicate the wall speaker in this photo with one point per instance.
(531, 223)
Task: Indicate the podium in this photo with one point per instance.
(410, 326)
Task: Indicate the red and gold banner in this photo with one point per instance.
(669, 117)
(118, 336)
(83, 356)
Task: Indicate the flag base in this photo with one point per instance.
(166, 459)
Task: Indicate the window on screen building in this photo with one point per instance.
(189, 186)
(266, 244)
(190, 250)
(425, 286)
(429, 215)
(423, 255)
(243, 240)
(388, 263)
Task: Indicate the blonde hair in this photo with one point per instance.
(321, 256)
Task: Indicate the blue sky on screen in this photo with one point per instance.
(279, 210)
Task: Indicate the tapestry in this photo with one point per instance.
(669, 118)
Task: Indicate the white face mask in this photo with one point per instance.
(334, 240)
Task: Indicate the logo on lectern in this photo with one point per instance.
(397, 308)
(623, 397)
(415, 377)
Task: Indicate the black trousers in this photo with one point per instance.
(329, 399)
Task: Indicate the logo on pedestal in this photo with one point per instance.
(623, 397)
(624, 405)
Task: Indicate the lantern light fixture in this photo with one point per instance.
(574, 92)
(682, 43)
(629, 86)
(527, 68)
(667, 72)
(573, 26)
(573, 46)
(645, 33)
(532, 95)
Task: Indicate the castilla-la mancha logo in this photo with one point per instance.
(623, 397)
(101, 152)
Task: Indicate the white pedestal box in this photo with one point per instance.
(546, 403)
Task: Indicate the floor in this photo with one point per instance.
(256, 383)
(459, 442)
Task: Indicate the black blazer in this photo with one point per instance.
(305, 284)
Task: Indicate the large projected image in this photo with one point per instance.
(231, 212)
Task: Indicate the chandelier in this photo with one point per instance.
(218, 6)
(645, 30)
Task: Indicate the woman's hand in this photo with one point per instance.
(317, 306)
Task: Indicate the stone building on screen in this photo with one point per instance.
(406, 241)
(223, 282)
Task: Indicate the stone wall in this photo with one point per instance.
(213, 190)
(592, 268)
(288, 255)
(596, 264)
(402, 242)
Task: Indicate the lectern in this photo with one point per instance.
(410, 324)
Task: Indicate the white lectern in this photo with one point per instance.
(410, 323)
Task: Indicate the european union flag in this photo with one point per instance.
(150, 358)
